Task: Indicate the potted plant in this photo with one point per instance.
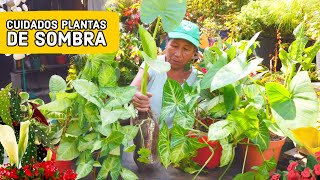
(273, 106)
(15, 109)
(87, 111)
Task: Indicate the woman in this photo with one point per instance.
(180, 50)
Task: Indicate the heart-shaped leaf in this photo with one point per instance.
(158, 65)
(295, 108)
(171, 12)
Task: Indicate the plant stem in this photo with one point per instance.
(208, 160)
(245, 156)
(202, 123)
(232, 158)
(146, 66)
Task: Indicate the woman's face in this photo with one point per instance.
(179, 52)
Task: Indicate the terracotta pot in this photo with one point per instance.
(254, 158)
(205, 153)
(61, 165)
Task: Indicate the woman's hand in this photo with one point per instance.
(142, 102)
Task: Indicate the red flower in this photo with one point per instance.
(27, 171)
(204, 70)
(306, 173)
(275, 177)
(41, 170)
(69, 175)
(317, 154)
(316, 169)
(293, 175)
(292, 166)
(313, 178)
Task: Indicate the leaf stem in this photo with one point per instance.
(232, 158)
(245, 156)
(146, 66)
(208, 160)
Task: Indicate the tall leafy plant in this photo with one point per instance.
(89, 110)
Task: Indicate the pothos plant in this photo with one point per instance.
(88, 111)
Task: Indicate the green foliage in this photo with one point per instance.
(89, 115)
(5, 106)
(144, 153)
(268, 16)
(292, 107)
(170, 11)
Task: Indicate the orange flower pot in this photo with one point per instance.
(254, 158)
(205, 153)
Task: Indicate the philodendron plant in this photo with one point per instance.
(87, 112)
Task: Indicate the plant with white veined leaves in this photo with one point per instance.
(15, 6)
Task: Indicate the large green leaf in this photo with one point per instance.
(247, 120)
(296, 48)
(110, 165)
(172, 98)
(164, 145)
(23, 139)
(87, 90)
(126, 174)
(9, 143)
(263, 137)
(287, 62)
(74, 129)
(229, 96)
(57, 84)
(68, 149)
(156, 64)
(103, 58)
(207, 79)
(183, 118)
(5, 105)
(148, 44)
(310, 53)
(107, 76)
(108, 117)
(298, 108)
(171, 12)
(227, 153)
(179, 144)
(235, 70)
(84, 164)
(119, 96)
(130, 133)
(91, 112)
(217, 131)
(91, 69)
(58, 105)
(115, 137)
